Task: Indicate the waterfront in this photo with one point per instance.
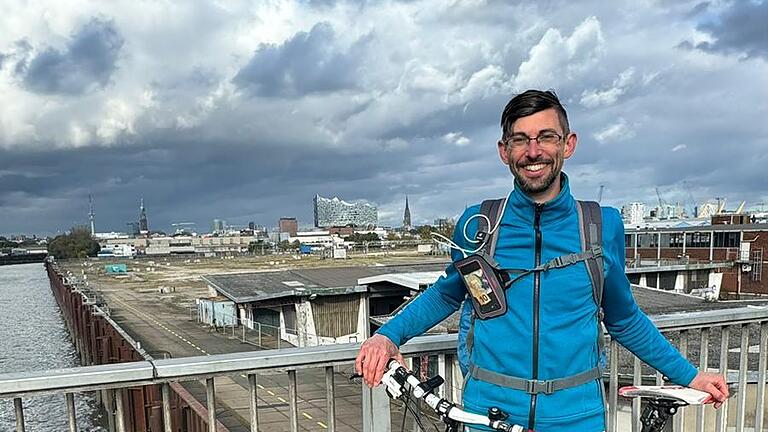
(33, 337)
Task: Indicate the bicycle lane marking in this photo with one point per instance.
(161, 325)
(150, 318)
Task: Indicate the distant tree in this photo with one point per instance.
(446, 229)
(259, 247)
(360, 238)
(75, 244)
(425, 232)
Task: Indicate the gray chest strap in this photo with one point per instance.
(531, 386)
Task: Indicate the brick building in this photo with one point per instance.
(743, 245)
(288, 225)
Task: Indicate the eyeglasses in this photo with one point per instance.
(546, 139)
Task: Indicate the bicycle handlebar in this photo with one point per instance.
(397, 379)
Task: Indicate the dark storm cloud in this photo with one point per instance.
(309, 62)
(87, 62)
(741, 29)
(183, 177)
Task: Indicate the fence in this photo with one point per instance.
(717, 340)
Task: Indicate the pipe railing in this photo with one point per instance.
(696, 335)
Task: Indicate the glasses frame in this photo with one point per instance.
(508, 141)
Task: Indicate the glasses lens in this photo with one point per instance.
(519, 141)
(549, 138)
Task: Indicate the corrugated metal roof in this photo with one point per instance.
(256, 286)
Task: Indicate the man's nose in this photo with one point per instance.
(533, 150)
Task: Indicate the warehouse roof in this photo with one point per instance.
(267, 285)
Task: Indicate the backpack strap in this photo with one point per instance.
(591, 233)
(492, 209)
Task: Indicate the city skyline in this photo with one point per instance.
(268, 104)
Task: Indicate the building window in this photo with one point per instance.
(646, 240)
(629, 240)
(698, 239)
(727, 239)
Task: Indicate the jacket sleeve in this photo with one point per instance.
(623, 318)
(433, 305)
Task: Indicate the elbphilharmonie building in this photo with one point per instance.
(334, 212)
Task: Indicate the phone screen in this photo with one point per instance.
(479, 287)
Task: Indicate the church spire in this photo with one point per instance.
(407, 215)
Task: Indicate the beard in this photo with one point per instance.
(537, 185)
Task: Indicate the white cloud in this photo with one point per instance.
(616, 132)
(456, 138)
(557, 59)
(596, 98)
(679, 147)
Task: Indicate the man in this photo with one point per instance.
(548, 331)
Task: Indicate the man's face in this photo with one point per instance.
(537, 164)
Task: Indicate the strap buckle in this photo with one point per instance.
(597, 251)
(539, 386)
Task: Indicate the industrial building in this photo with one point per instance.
(740, 248)
(316, 306)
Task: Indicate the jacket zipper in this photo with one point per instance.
(536, 289)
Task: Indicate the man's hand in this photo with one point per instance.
(373, 358)
(712, 383)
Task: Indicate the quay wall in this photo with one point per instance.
(99, 340)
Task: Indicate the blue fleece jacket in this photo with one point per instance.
(560, 320)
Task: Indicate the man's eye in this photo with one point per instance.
(519, 141)
(548, 137)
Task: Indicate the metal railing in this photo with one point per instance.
(714, 340)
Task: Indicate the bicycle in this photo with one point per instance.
(663, 402)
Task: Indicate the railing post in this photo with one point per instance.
(722, 414)
(637, 379)
(331, 398)
(761, 368)
(210, 395)
(743, 367)
(254, 402)
(703, 363)
(679, 422)
(19, 408)
(293, 400)
(119, 411)
(71, 412)
(165, 390)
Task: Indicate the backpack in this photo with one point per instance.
(590, 233)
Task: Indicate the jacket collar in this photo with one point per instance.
(523, 207)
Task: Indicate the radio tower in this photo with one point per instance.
(91, 215)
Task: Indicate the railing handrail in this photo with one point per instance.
(159, 371)
(175, 369)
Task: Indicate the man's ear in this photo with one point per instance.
(503, 152)
(570, 145)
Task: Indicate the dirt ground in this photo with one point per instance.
(177, 279)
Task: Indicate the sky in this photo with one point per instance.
(243, 110)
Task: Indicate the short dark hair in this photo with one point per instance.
(528, 103)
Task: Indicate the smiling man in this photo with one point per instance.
(536, 351)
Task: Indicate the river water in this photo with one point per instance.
(33, 337)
